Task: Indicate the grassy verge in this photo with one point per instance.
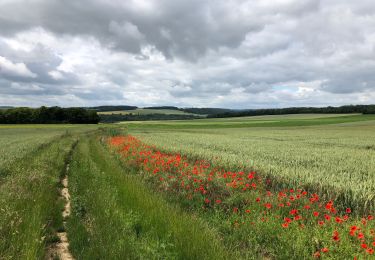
(116, 216)
(29, 209)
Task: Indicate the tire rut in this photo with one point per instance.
(60, 250)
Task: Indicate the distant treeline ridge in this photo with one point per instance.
(48, 115)
(112, 118)
(112, 108)
(194, 110)
(364, 109)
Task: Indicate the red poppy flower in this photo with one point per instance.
(335, 236)
(293, 212)
(268, 205)
(338, 219)
(354, 228)
(329, 205)
(285, 224)
(288, 220)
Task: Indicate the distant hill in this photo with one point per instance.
(207, 111)
(364, 109)
(112, 118)
(112, 108)
(163, 107)
(5, 107)
(194, 110)
(149, 113)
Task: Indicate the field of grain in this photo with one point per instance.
(246, 122)
(18, 140)
(331, 158)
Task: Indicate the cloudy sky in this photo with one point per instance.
(201, 53)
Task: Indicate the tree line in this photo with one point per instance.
(48, 115)
(363, 109)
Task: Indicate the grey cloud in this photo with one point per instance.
(33, 66)
(196, 52)
(354, 82)
(11, 70)
(23, 89)
(177, 28)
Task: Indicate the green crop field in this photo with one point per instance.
(246, 122)
(265, 187)
(18, 140)
(338, 157)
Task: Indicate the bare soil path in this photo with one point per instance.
(60, 250)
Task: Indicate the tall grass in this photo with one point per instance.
(116, 216)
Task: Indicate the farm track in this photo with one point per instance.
(61, 248)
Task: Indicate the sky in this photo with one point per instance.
(192, 53)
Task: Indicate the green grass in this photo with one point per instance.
(116, 216)
(337, 159)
